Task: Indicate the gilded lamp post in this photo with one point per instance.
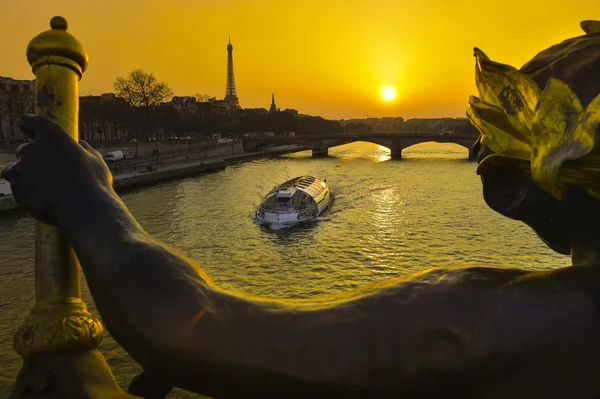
(59, 320)
(59, 339)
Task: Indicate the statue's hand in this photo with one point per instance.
(53, 171)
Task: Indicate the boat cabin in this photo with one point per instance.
(297, 199)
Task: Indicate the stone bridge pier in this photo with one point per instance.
(395, 149)
(395, 145)
(320, 149)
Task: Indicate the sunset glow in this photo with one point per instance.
(388, 93)
(321, 58)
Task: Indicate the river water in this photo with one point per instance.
(389, 218)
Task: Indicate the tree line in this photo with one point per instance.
(140, 110)
(14, 102)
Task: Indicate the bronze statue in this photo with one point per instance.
(468, 332)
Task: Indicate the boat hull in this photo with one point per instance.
(290, 219)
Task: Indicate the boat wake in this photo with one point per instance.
(276, 227)
(256, 220)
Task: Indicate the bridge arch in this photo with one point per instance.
(467, 145)
(396, 146)
(396, 142)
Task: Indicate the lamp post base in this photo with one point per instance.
(80, 374)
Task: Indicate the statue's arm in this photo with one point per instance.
(138, 282)
(183, 329)
(166, 312)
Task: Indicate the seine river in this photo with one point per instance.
(389, 218)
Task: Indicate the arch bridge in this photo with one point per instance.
(396, 142)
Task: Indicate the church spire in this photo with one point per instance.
(273, 106)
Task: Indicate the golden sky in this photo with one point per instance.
(322, 57)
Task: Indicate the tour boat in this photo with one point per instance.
(300, 199)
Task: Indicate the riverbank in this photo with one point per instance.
(161, 172)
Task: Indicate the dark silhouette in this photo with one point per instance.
(230, 92)
(143, 93)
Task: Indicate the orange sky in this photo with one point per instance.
(322, 57)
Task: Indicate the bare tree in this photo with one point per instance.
(14, 102)
(88, 119)
(142, 90)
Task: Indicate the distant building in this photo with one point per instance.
(273, 108)
(435, 123)
(383, 124)
(221, 107)
(291, 111)
(17, 97)
(439, 125)
(100, 99)
(185, 104)
(102, 117)
(255, 111)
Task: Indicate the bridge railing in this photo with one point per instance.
(399, 134)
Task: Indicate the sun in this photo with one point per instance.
(388, 93)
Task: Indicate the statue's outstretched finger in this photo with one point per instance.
(10, 172)
(86, 145)
(21, 149)
(89, 148)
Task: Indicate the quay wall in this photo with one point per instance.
(162, 172)
(146, 150)
(183, 154)
(167, 173)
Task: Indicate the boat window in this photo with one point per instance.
(283, 204)
(301, 200)
(269, 202)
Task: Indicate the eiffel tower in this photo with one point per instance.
(230, 94)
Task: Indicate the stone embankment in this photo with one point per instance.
(140, 172)
(146, 151)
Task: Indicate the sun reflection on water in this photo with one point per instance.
(384, 154)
